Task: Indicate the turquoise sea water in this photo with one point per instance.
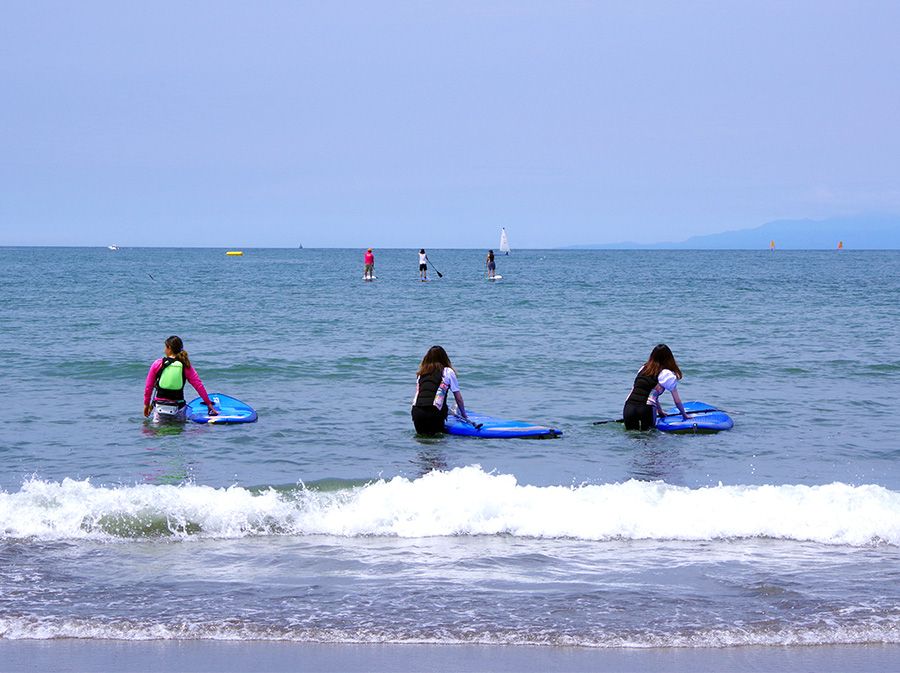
(330, 520)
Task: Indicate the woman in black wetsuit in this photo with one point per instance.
(434, 379)
(658, 374)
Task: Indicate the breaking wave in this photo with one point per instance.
(463, 501)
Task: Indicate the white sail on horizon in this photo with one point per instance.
(504, 241)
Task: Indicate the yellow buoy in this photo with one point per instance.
(235, 253)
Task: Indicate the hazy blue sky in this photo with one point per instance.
(434, 123)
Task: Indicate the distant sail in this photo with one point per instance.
(771, 245)
(504, 242)
(840, 245)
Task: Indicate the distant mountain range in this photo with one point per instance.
(877, 232)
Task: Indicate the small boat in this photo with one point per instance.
(113, 247)
(235, 253)
(504, 241)
(840, 245)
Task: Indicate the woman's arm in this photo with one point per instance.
(194, 379)
(678, 403)
(654, 397)
(448, 378)
(149, 384)
(460, 404)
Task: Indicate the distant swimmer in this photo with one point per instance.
(164, 388)
(491, 265)
(369, 261)
(433, 379)
(423, 264)
(658, 374)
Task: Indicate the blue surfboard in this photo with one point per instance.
(701, 418)
(496, 427)
(230, 410)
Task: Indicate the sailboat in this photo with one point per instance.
(504, 242)
(840, 245)
(772, 245)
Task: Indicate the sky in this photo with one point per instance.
(433, 124)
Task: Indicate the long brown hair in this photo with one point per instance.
(435, 360)
(661, 358)
(177, 347)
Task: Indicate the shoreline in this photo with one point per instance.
(205, 655)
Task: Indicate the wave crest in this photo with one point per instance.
(463, 501)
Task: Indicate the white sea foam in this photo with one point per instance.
(885, 631)
(463, 501)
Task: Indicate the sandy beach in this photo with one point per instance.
(201, 656)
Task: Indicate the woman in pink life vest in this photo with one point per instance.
(164, 388)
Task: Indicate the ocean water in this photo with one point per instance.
(329, 520)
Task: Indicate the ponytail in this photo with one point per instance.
(177, 347)
(182, 357)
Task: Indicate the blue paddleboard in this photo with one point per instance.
(496, 427)
(230, 410)
(701, 418)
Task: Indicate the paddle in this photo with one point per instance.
(689, 414)
(440, 275)
(477, 426)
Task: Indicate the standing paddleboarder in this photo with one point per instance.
(369, 262)
(423, 265)
(491, 265)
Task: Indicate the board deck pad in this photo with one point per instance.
(702, 417)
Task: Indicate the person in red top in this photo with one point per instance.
(369, 260)
(164, 388)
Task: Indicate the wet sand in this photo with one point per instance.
(213, 656)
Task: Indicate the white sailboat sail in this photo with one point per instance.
(504, 242)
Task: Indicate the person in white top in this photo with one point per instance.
(434, 379)
(423, 264)
(658, 374)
